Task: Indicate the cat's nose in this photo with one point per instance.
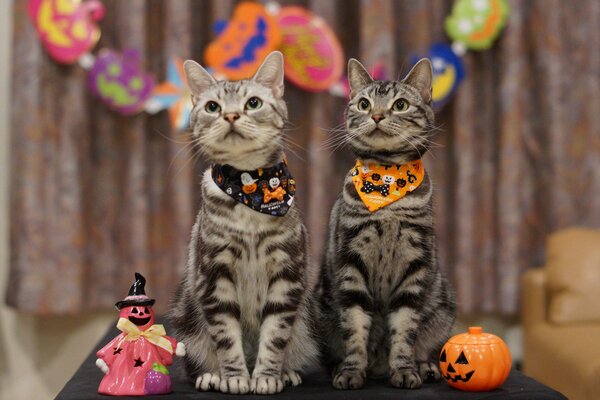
(377, 117)
(231, 117)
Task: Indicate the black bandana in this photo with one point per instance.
(266, 190)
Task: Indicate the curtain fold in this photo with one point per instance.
(96, 196)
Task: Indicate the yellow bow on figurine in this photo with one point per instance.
(154, 334)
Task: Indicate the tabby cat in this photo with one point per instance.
(243, 308)
(386, 308)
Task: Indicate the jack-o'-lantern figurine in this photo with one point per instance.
(475, 361)
(135, 362)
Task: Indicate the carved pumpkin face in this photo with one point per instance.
(141, 316)
(475, 361)
(458, 370)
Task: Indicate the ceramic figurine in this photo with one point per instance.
(135, 362)
(475, 361)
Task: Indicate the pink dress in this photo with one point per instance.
(136, 368)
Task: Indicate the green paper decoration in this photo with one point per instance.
(477, 23)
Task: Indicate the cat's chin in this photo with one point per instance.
(234, 134)
(382, 156)
(250, 161)
(379, 134)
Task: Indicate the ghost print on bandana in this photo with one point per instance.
(267, 190)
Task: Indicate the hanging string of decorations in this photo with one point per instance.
(314, 60)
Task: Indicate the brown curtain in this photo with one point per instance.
(96, 196)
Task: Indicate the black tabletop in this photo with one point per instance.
(84, 385)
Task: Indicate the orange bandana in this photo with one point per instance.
(379, 185)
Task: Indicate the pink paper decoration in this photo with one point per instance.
(66, 27)
(313, 55)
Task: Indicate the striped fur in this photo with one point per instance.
(244, 306)
(386, 308)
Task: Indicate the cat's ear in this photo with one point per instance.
(198, 78)
(270, 73)
(358, 76)
(421, 78)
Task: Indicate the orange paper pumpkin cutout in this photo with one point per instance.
(475, 361)
(242, 45)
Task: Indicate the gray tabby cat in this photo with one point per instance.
(386, 308)
(243, 308)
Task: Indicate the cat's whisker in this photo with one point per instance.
(334, 142)
(195, 153)
(290, 141)
(170, 139)
(348, 137)
(334, 139)
(186, 148)
(331, 143)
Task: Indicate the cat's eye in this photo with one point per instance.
(253, 103)
(400, 105)
(212, 107)
(364, 104)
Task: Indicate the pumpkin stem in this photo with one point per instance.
(475, 330)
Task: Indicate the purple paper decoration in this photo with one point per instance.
(119, 81)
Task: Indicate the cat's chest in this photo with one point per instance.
(386, 247)
(251, 275)
(381, 245)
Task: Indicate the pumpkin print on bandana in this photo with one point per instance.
(379, 185)
(267, 190)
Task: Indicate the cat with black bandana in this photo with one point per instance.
(244, 307)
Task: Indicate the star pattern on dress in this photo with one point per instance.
(138, 362)
(117, 350)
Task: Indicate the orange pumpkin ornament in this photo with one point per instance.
(243, 43)
(475, 361)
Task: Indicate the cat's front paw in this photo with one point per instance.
(349, 379)
(291, 378)
(405, 378)
(235, 385)
(266, 385)
(208, 381)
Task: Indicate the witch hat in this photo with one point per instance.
(137, 294)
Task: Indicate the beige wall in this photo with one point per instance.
(37, 355)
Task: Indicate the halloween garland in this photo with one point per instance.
(472, 25)
(314, 59)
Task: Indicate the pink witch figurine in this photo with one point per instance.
(135, 362)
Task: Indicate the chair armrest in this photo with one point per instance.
(534, 297)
